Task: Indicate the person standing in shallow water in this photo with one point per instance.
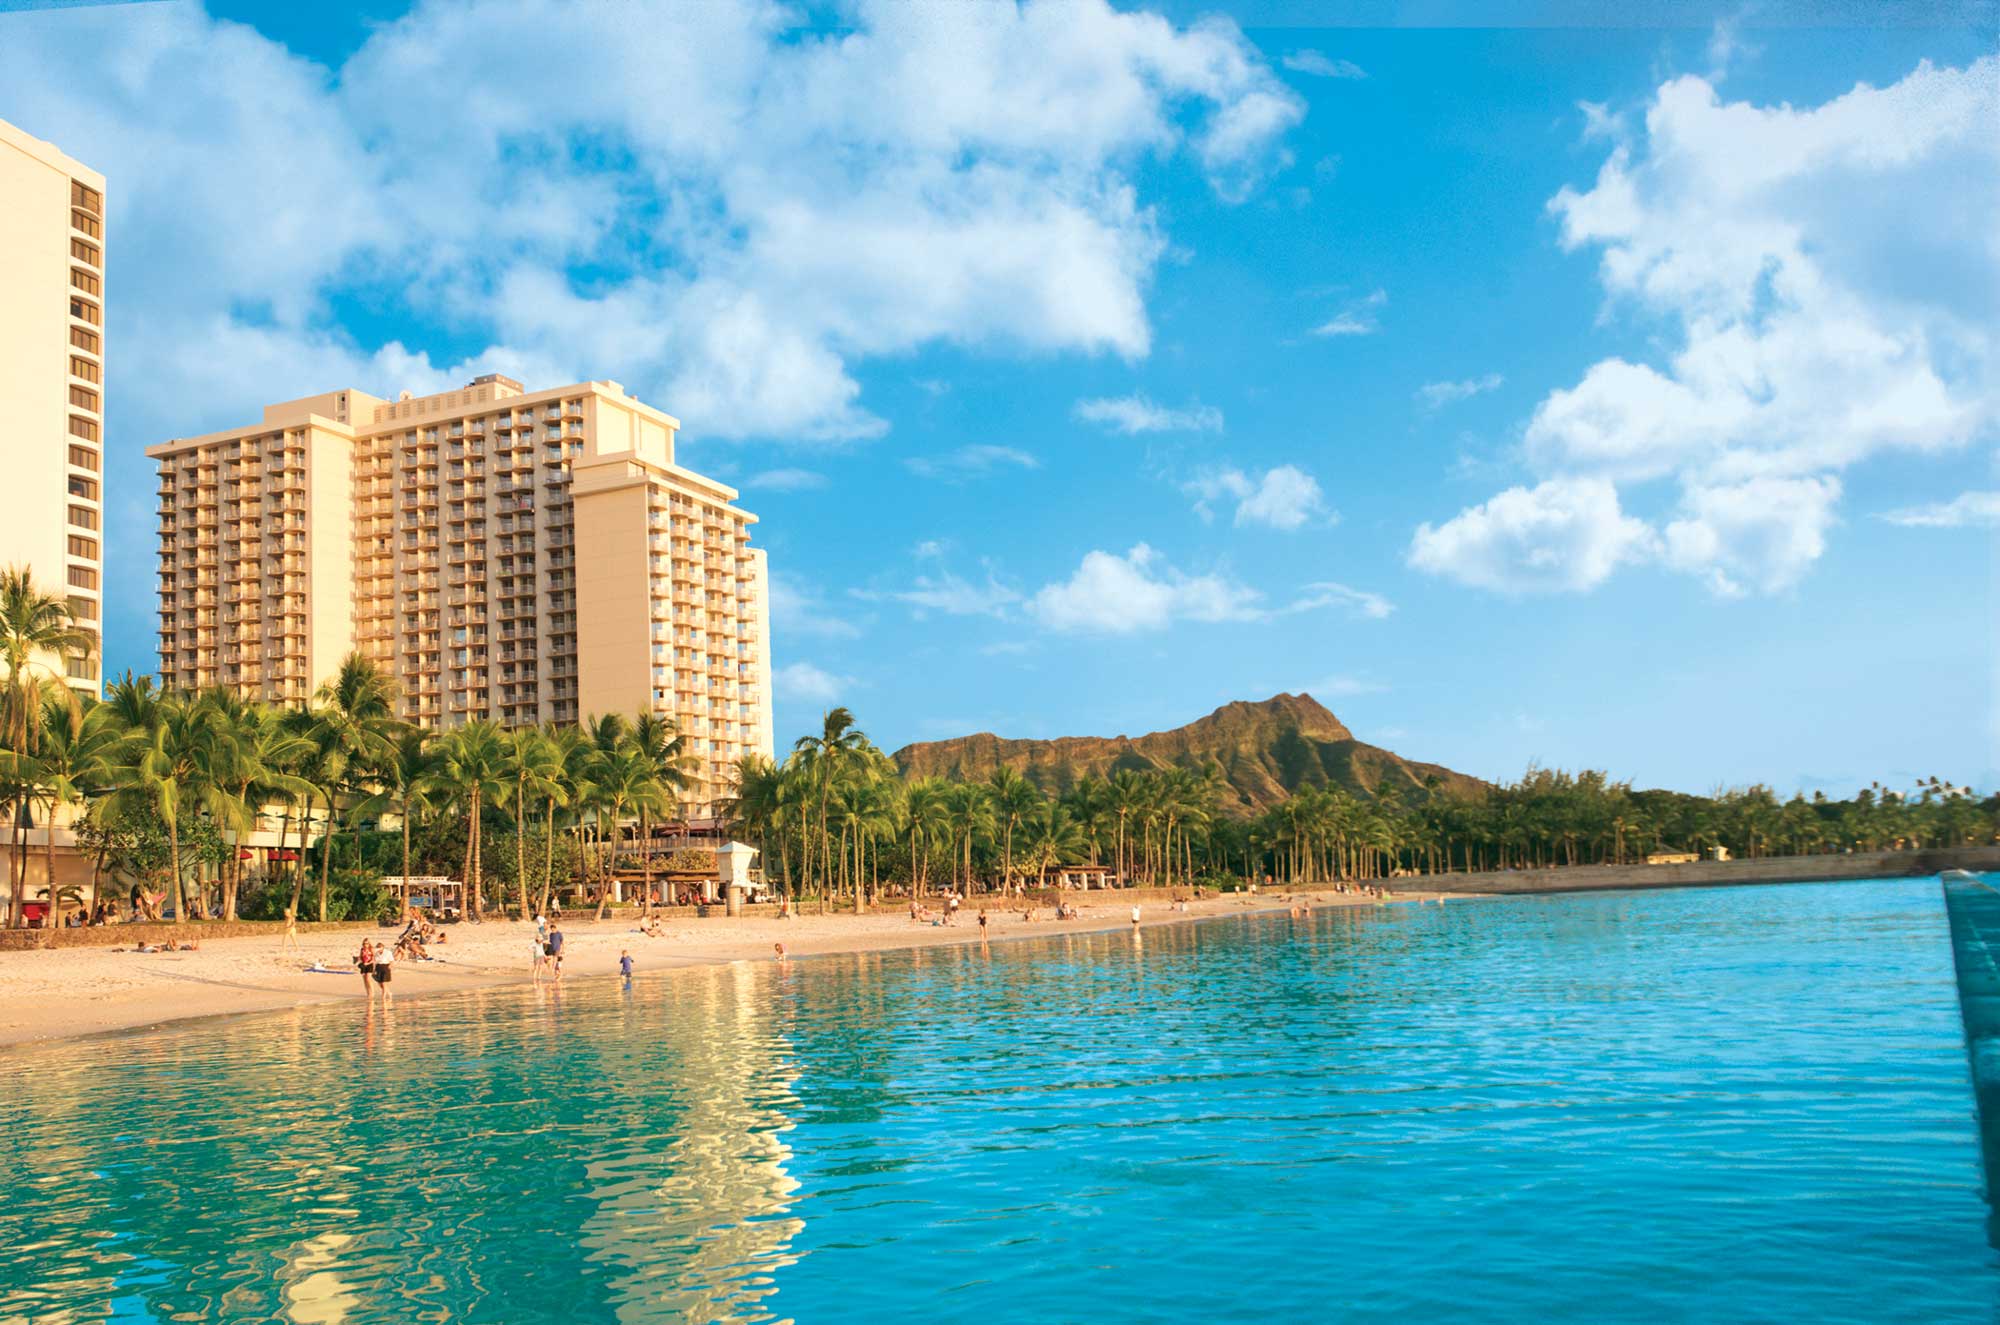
(555, 949)
(625, 968)
(364, 962)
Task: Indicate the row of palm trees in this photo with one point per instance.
(837, 820)
(143, 759)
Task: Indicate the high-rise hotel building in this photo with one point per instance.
(520, 556)
(52, 380)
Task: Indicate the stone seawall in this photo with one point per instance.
(1709, 873)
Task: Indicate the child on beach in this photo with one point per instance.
(781, 951)
(625, 967)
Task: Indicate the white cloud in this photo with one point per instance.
(1436, 395)
(1330, 593)
(933, 174)
(1763, 534)
(786, 480)
(954, 596)
(1968, 508)
(1321, 65)
(1561, 534)
(1114, 595)
(1357, 319)
(970, 462)
(1827, 282)
(805, 683)
(1284, 498)
(1138, 414)
(797, 610)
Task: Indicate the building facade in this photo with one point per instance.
(520, 556)
(52, 380)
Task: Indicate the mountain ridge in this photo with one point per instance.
(1267, 749)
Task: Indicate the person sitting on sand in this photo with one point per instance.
(650, 927)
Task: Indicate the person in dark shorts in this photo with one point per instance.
(555, 948)
(385, 960)
(364, 962)
(625, 967)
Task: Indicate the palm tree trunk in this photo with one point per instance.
(325, 857)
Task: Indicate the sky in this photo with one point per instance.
(1623, 397)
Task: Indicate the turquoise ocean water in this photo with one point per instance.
(1729, 1105)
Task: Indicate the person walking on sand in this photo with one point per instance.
(555, 949)
(290, 943)
(982, 924)
(364, 962)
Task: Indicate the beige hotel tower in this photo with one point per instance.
(52, 379)
(523, 556)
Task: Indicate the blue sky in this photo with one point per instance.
(1620, 397)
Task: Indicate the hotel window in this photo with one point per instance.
(80, 486)
(82, 609)
(84, 309)
(82, 367)
(83, 458)
(83, 397)
(83, 547)
(82, 195)
(85, 251)
(83, 428)
(84, 281)
(82, 577)
(83, 517)
(84, 221)
(83, 339)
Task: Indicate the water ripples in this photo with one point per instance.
(1745, 1105)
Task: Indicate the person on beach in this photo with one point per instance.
(555, 949)
(385, 960)
(538, 959)
(1135, 913)
(982, 924)
(625, 967)
(781, 951)
(951, 911)
(290, 943)
(364, 962)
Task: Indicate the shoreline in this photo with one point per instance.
(53, 994)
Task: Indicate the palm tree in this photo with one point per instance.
(245, 759)
(535, 767)
(1125, 795)
(1014, 798)
(1051, 836)
(627, 782)
(828, 755)
(73, 760)
(354, 721)
(163, 772)
(754, 807)
(33, 627)
(407, 777)
(971, 814)
(660, 744)
(472, 768)
(926, 815)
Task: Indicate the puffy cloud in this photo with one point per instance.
(1968, 508)
(1561, 534)
(807, 684)
(975, 461)
(1137, 414)
(1814, 317)
(1114, 595)
(1284, 498)
(1436, 395)
(1762, 534)
(1321, 65)
(931, 174)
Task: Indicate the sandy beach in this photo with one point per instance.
(51, 993)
